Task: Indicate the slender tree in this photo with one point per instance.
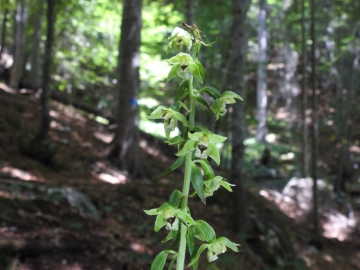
(35, 54)
(262, 75)
(45, 117)
(304, 141)
(19, 43)
(124, 149)
(3, 28)
(190, 11)
(314, 126)
(345, 133)
(237, 69)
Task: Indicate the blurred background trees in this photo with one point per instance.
(264, 51)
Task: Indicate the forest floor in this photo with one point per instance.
(39, 230)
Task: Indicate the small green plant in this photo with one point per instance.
(195, 145)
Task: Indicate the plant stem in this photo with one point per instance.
(186, 186)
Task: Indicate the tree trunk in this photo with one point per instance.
(125, 144)
(35, 54)
(314, 126)
(3, 32)
(45, 117)
(19, 43)
(190, 12)
(261, 75)
(339, 184)
(237, 70)
(304, 141)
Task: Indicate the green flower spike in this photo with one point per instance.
(204, 145)
(179, 38)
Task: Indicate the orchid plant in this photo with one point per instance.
(195, 145)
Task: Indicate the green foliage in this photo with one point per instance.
(195, 145)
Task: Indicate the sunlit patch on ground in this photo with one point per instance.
(23, 175)
(106, 174)
(335, 225)
(106, 138)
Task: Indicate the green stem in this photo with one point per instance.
(186, 186)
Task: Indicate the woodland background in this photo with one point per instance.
(79, 158)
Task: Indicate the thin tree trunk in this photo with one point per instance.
(3, 32)
(125, 144)
(304, 141)
(190, 12)
(261, 75)
(240, 8)
(345, 133)
(314, 126)
(45, 121)
(35, 54)
(19, 43)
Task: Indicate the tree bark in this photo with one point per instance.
(237, 70)
(314, 126)
(19, 43)
(125, 144)
(261, 75)
(3, 32)
(345, 133)
(45, 117)
(35, 54)
(190, 12)
(304, 96)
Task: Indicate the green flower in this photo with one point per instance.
(219, 105)
(184, 66)
(215, 248)
(214, 184)
(170, 117)
(204, 145)
(170, 217)
(179, 38)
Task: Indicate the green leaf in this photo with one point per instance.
(190, 241)
(214, 138)
(231, 94)
(157, 113)
(188, 147)
(213, 92)
(216, 107)
(180, 117)
(175, 140)
(208, 171)
(152, 212)
(196, 257)
(228, 243)
(226, 185)
(194, 70)
(201, 68)
(159, 222)
(177, 105)
(184, 216)
(159, 261)
(173, 72)
(213, 152)
(175, 198)
(181, 93)
(171, 265)
(168, 237)
(178, 162)
(202, 102)
(197, 182)
(206, 231)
